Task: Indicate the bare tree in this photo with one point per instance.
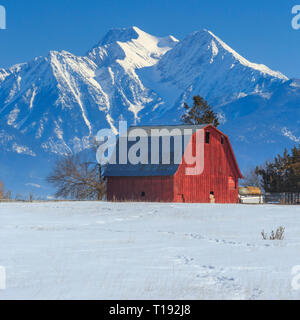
(1, 190)
(4, 194)
(19, 197)
(251, 179)
(78, 177)
(7, 195)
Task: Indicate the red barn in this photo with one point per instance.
(218, 182)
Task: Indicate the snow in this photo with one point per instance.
(215, 51)
(57, 146)
(13, 116)
(32, 98)
(145, 51)
(22, 150)
(260, 67)
(67, 80)
(287, 133)
(3, 74)
(206, 64)
(33, 185)
(86, 250)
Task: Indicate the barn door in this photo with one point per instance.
(180, 198)
(212, 198)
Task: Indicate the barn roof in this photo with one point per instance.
(148, 170)
(170, 127)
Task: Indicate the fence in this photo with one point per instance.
(283, 198)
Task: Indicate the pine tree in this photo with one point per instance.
(283, 174)
(293, 170)
(200, 113)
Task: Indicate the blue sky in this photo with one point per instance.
(259, 30)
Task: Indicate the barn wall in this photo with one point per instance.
(156, 189)
(220, 175)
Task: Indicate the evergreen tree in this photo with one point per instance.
(293, 170)
(283, 174)
(199, 113)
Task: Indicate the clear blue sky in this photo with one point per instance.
(258, 29)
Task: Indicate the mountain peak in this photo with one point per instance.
(120, 34)
(242, 60)
(134, 33)
(131, 48)
(207, 37)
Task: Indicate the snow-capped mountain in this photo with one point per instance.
(202, 63)
(54, 105)
(60, 100)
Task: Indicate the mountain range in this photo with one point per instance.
(54, 105)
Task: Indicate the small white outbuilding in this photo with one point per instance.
(250, 195)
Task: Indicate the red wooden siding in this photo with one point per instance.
(155, 189)
(220, 174)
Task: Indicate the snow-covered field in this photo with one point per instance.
(86, 250)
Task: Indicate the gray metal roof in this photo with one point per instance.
(169, 127)
(147, 170)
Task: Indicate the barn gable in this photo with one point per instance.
(218, 181)
(230, 154)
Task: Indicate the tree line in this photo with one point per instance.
(282, 174)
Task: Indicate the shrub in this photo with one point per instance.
(277, 235)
